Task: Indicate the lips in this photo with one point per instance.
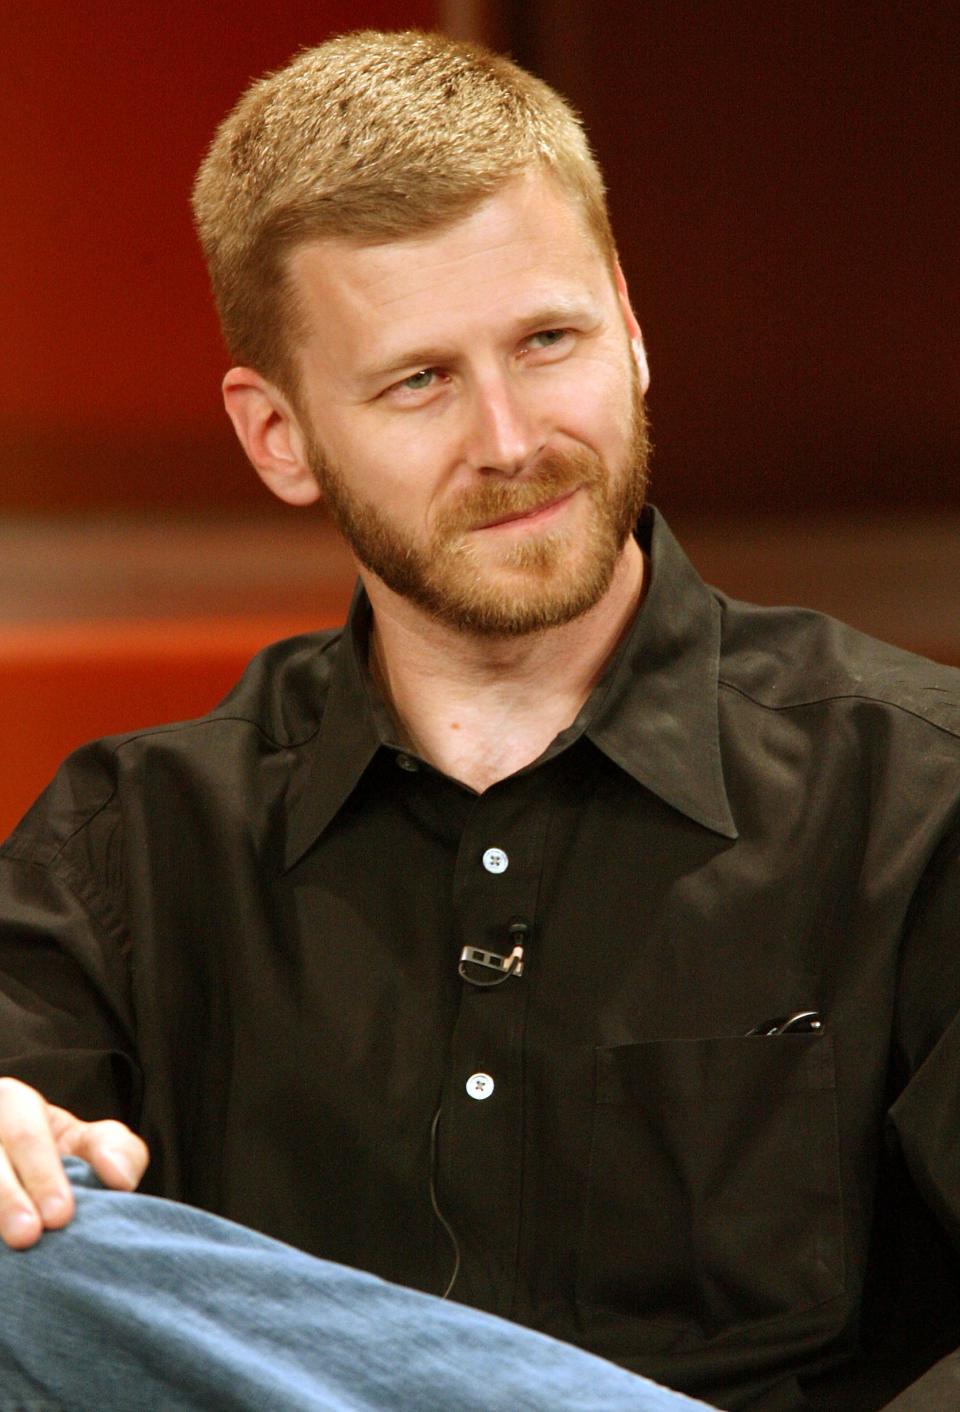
(531, 513)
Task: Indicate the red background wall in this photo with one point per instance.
(110, 357)
(784, 179)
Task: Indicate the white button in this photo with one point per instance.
(406, 762)
(495, 860)
(480, 1086)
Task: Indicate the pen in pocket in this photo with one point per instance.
(800, 1022)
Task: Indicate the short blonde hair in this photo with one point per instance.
(372, 136)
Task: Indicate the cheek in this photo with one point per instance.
(595, 408)
(396, 482)
(376, 467)
(419, 460)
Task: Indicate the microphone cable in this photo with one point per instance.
(451, 1233)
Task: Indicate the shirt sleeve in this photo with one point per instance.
(66, 1021)
(925, 1115)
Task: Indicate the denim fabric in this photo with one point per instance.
(143, 1305)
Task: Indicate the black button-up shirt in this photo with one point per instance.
(242, 934)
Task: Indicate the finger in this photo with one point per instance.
(20, 1223)
(33, 1184)
(117, 1155)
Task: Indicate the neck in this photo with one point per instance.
(480, 708)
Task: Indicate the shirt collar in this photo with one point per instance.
(355, 724)
(654, 712)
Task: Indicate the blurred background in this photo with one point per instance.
(783, 180)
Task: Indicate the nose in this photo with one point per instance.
(502, 435)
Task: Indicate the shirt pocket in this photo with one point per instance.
(713, 1192)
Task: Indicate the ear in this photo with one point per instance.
(633, 328)
(269, 432)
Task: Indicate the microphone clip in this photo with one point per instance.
(502, 966)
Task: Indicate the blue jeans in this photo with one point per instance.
(143, 1305)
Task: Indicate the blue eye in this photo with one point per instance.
(419, 382)
(547, 337)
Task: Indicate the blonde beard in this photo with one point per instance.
(541, 582)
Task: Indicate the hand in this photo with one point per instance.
(35, 1135)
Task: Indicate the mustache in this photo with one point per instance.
(555, 474)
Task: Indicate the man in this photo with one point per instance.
(562, 937)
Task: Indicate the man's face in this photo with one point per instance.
(475, 416)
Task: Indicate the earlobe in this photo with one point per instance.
(269, 432)
(643, 368)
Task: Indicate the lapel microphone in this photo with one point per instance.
(475, 962)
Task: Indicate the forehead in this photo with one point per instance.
(529, 242)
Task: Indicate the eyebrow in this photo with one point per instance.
(556, 314)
